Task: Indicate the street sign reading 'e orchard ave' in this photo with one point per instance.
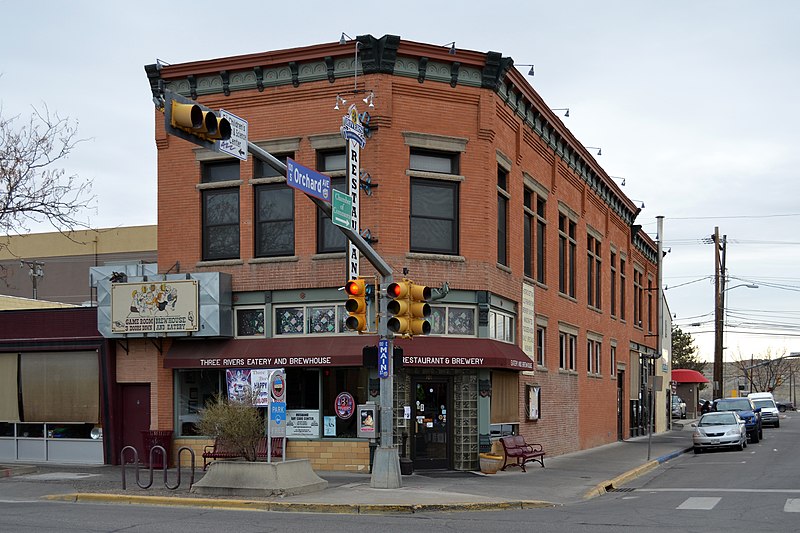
(309, 181)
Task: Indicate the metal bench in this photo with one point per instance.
(219, 450)
(518, 452)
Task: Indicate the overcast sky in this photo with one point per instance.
(694, 103)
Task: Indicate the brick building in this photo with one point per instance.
(544, 310)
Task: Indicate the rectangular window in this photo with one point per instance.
(613, 266)
(598, 354)
(649, 305)
(59, 387)
(452, 320)
(622, 288)
(329, 238)
(567, 347)
(541, 335)
(589, 355)
(434, 216)
(220, 224)
(637, 297)
(502, 216)
(431, 161)
(310, 320)
(613, 361)
(274, 220)
(501, 326)
(195, 389)
(250, 322)
(567, 251)
(541, 224)
(220, 171)
(593, 272)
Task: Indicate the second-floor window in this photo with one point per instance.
(637, 297)
(274, 220)
(220, 208)
(593, 271)
(567, 247)
(434, 202)
(502, 216)
(329, 238)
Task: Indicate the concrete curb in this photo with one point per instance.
(630, 475)
(256, 505)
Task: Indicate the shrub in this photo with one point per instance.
(236, 425)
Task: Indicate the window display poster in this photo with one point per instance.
(330, 426)
(366, 420)
(303, 423)
(534, 402)
(345, 405)
(238, 381)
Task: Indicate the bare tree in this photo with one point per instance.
(764, 372)
(33, 186)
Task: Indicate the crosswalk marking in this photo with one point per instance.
(792, 505)
(699, 503)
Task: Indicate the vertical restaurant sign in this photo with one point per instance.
(353, 131)
(154, 307)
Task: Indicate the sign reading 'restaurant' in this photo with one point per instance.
(154, 307)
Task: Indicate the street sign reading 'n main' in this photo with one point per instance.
(309, 181)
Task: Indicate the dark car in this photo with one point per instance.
(747, 411)
(785, 406)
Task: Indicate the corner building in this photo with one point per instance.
(544, 311)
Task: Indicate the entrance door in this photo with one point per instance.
(620, 404)
(431, 421)
(135, 416)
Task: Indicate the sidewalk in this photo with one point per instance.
(566, 479)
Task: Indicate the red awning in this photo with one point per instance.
(686, 375)
(345, 350)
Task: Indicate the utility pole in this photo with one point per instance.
(36, 271)
(719, 309)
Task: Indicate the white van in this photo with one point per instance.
(769, 411)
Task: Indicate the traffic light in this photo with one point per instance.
(409, 308)
(356, 304)
(189, 120)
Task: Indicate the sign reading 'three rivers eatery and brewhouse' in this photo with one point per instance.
(154, 307)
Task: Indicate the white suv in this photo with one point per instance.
(769, 411)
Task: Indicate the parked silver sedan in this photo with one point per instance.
(719, 430)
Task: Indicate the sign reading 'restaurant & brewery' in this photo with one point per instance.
(154, 307)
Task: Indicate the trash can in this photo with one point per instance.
(161, 438)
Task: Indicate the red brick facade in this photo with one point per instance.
(503, 121)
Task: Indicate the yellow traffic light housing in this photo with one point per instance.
(409, 308)
(189, 120)
(356, 305)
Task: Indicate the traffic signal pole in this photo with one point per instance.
(386, 462)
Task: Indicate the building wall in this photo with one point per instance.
(578, 410)
(66, 260)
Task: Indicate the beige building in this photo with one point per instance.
(54, 267)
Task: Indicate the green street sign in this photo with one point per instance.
(342, 208)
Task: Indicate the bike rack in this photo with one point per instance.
(163, 453)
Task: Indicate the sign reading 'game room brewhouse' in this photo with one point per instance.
(154, 307)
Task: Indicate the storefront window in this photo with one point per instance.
(451, 320)
(195, 389)
(322, 319)
(289, 321)
(250, 322)
(311, 320)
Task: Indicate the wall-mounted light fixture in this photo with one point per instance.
(369, 99)
(344, 38)
(530, 72)
(599, 150)
(638, 201)
(622, 180)
(452, 46)
(564, 109)
(339, 100)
